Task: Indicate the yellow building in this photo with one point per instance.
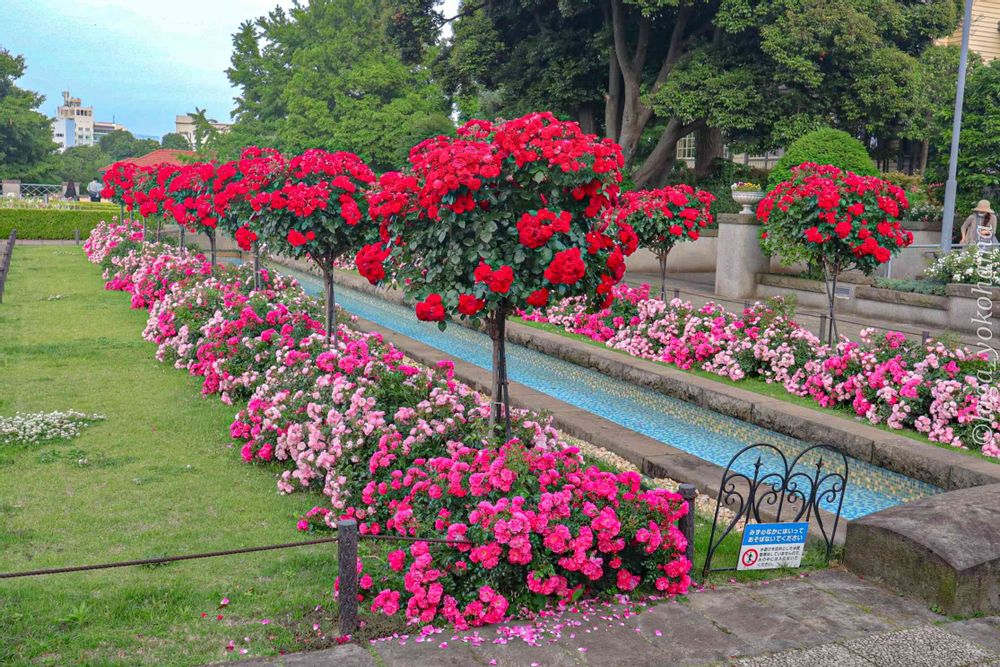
(984, 34)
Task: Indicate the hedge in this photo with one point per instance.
(824, 146)
(51, 223)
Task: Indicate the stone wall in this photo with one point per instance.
(689, 257)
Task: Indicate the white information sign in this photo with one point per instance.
(767, 546)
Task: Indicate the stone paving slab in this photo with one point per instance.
(982, 631)
(925, 646)
(827, 619)
(828, 655)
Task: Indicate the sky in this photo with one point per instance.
(138, 62)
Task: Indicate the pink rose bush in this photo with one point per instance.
(931, 388)
(404, 450)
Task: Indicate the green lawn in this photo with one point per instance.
(159, 479)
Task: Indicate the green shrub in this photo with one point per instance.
(825, 146)
(50, 223)
(917, 286)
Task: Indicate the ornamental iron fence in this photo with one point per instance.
(770, 490)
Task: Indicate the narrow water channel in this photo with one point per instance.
(704, 433)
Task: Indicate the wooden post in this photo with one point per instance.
(347, 565)
(76, 236)
(689, 493)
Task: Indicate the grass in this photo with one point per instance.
(159, 480)
(759, 386)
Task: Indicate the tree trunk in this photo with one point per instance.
(613, 99)
(585, 116)
(499, 393)
(159, 225)
(330, 303)
(708, 147)
(924, 149)
(663, 274)
(211, 245)
(830, 281)
(256, 267)
(180, 240)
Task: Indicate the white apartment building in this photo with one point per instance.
(74, 124)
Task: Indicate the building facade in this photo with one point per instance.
(74, 124)
(184, 125)
(984, 33)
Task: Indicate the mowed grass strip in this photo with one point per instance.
(156, 478)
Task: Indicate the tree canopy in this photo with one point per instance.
(979, 143)
(650, 72)
(122, 143)
(328, 75)
(175, 140)
(25, 133)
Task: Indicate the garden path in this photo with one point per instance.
(829, 618)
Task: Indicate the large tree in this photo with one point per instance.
(25, 134)
(979, 144)
(80, 164)
(327, 74)
(175, 140)
(759, 72)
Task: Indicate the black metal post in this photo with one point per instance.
(924, 337)
(689, 493)
(347, 565)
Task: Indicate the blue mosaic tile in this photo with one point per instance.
(704, 433)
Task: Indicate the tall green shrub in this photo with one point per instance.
(824, 146)
(51, 223)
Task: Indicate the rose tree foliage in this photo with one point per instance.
(665, 217)
(243, 180)
(835, 220)
(316, 209)
(505, 216)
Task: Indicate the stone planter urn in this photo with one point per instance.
(748, 199)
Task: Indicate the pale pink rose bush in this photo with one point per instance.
(933, 388)
(402, 449)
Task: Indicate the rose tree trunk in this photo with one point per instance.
(497, 328)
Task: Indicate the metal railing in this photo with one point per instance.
(677, 292)
(8, 251)
(42, 190)
(936, 246)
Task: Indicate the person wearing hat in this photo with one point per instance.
(981, 225)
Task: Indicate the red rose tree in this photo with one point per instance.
(835, 220)
(190, 203)
(316, 209)
(149, 192)
(505, 216)
(241, 192)
(119, 180)
(665, 217)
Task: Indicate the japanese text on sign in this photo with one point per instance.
(767, 546)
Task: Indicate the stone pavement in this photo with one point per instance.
(826, 619)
